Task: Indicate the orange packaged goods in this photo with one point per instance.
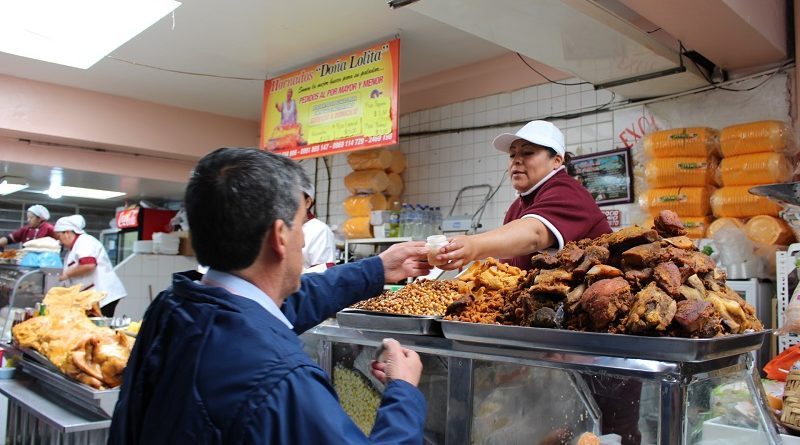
(358, 227)
(371, 159)
(685, 201)
(398, 162)
(362, 205)
(768, 229)
(754, 137)
(366, 181)
(680, 171)
(721, 223)
(755, 168)
(395, 187)
(737, 201)
(693, 141)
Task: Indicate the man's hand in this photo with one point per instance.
(405, 260)
(397, 363)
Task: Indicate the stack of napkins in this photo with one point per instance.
(45, 244)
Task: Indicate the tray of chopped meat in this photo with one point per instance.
(387, 322)
(671, 349)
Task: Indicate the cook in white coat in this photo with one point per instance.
(320, 246)
(87, 263)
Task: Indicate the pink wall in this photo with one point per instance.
(54, 113)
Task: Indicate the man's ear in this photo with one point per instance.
(277, 239)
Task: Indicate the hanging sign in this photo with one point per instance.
(343, 104)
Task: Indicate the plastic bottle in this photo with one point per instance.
(394, 220)
(437, 220)
(419, 223)
(404, 214)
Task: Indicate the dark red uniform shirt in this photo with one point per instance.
(565, 207)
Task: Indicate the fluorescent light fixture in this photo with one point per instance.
(80, 192)
(75, 33)
(56, 179)
(11, 184)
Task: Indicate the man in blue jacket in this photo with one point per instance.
(218, 360)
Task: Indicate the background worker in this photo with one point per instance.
(37, 227)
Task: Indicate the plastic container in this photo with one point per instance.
(754, 137)
(363, 205)
(768, 229)
(685, 201)
(379, 159)
(366, 181)
(358, 227)
(398, 164)
(433, 244)
(755, 168)
(691, 141)
(720, 223)
(737, 201)
(680, 171)
(395, 186)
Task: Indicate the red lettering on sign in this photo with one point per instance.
(127, 219)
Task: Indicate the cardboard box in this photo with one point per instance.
(185, 247)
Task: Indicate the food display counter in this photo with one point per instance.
(508, 386)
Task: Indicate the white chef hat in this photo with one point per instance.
(73, 223)
(40, 211)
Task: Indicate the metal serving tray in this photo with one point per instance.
(670, 349)
(385, 322)
(97, 401)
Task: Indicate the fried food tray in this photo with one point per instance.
(100, 402)
(386, 322)
(670, 349)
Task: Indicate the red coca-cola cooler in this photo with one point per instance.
(134, 224)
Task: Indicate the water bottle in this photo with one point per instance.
(419, 223)
(394, 220)
(437, 220)
(405, 228)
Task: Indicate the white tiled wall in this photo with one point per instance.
(438, 165)
(144, 276)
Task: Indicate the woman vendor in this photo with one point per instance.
(551, 209)
(37, 227)
(87, 263)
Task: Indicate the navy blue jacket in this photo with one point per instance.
(209, 367)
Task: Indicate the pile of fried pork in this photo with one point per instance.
(636, 281)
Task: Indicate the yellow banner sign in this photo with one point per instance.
(343, 104)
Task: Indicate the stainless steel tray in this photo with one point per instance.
(670, 349)
(97, 401)
(385, 322)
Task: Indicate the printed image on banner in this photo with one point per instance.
(343, 104)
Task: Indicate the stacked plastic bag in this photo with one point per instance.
(754, 153)
(680, 175)
(374, 184)
(41, 252)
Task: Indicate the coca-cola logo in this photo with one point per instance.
(128, 218)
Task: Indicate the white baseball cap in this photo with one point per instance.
(308, 190)
(536, 132)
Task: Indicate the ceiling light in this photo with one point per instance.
(11, 184)
(80, 192)
(75, 33)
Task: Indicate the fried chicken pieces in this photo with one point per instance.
(90, 354)
(635, 281)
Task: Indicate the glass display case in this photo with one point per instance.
(22, 287)
(501, 393)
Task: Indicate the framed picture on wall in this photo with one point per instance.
(607, 175)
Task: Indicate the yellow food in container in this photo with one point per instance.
(398, 164)
(680, 171)
(362, 205)
(366, 181)
(755, 168)
(754, 137)
(692, 141)
(395, 187)
(737, 201)
(685, 201)
(721, 223)
(379, 159)
(357, 227)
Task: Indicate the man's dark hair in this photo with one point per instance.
(233, 198)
